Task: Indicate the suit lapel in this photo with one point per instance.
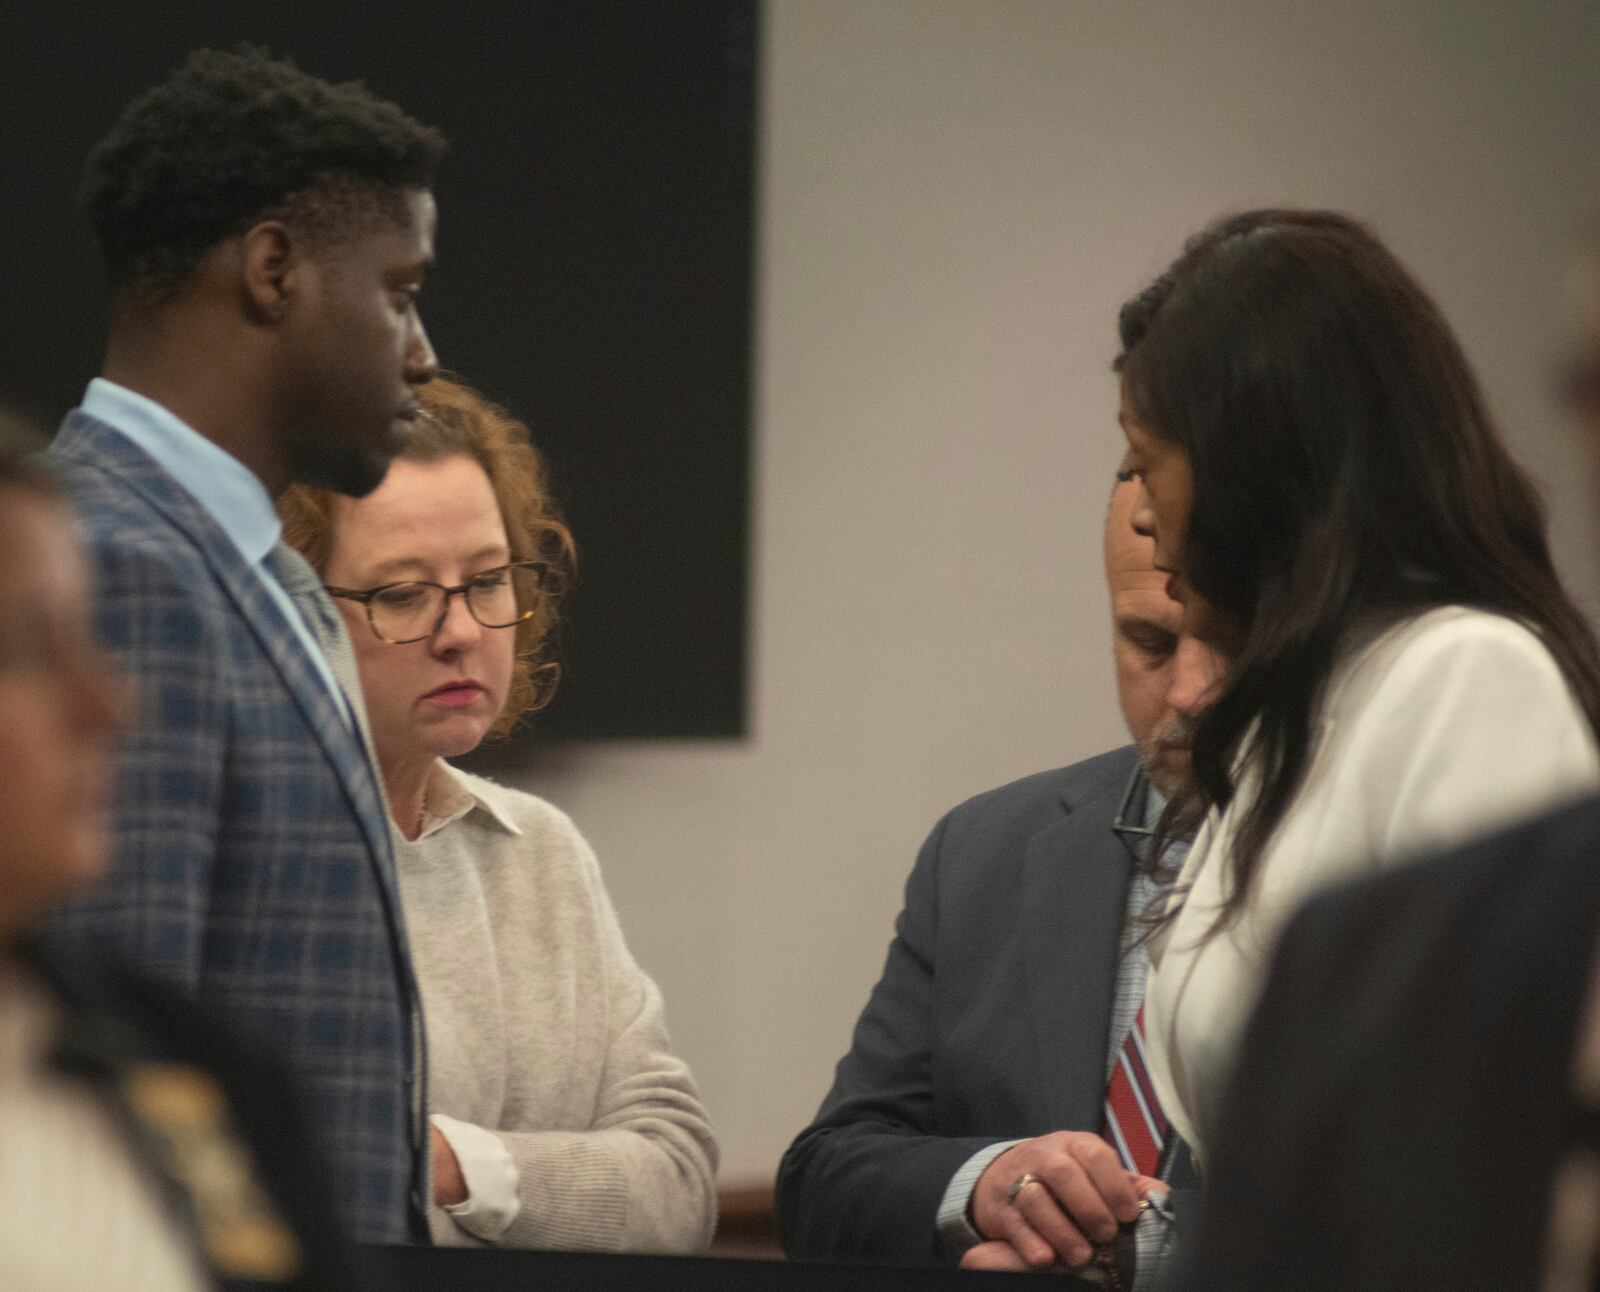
(1075, 878)
(88, 441)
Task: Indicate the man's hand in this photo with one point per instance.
(449, 1185)
(1079, 1195)
(995, 1255)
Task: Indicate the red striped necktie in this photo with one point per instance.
(1135, 1124)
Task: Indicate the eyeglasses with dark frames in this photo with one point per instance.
(1129, 822)
(414, 610)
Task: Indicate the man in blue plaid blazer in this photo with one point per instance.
(266, 235)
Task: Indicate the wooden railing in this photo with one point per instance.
(746, 1227)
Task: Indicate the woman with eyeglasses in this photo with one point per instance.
(560, 1118)
(1326, 485)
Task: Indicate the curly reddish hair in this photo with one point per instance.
(457, 420)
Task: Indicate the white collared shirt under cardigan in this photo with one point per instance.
(1442, 727)
(550, 1071)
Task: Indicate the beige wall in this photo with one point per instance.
(957, 194)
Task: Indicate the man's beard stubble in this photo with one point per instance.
(1155, 751)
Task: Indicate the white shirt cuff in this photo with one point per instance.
(956, 1233)
(491, 1174)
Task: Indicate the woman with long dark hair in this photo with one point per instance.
(1325, 482)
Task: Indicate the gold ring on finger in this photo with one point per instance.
(1019, 1184)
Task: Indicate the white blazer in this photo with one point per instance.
(1441, 728)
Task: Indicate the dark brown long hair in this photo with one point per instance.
(1345, 468)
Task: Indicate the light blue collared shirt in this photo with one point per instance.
(227, 489)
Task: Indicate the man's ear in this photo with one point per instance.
(273, 268)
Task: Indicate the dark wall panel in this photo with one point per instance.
(595, 244)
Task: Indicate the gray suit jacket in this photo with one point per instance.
(253, 863)
(989, 1022)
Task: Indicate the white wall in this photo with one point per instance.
(957, 194)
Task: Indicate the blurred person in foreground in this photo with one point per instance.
(561, 1118)
(140, 1147)
(973, 1117)
(1323, 479)
(1417, 1100)
(266, 235)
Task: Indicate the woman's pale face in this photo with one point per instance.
(1162, 470)
(60, 708)
(436, 522)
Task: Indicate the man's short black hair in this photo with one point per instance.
(233, 137)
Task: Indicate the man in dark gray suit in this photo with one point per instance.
(969, 1110)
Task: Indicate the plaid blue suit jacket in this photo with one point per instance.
(253, 861)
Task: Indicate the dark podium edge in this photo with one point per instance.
(438, 1269)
